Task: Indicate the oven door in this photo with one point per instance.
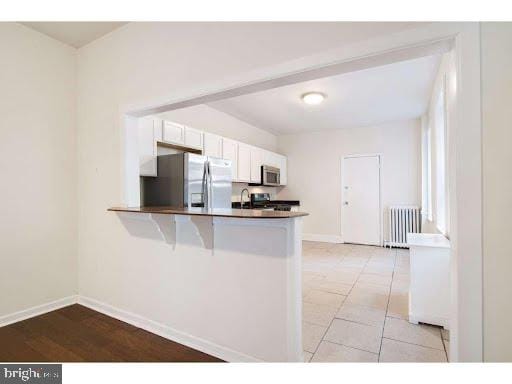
(270, 176)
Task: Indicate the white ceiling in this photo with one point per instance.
(76, 34)
(372, 96)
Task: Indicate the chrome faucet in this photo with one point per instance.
(242, 197)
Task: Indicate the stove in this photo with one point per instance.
(262, 201)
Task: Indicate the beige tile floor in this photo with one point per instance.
(355, 307)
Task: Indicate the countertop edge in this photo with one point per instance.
(429, 240)
(251, 214)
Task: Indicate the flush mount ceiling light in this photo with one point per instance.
(313, 98)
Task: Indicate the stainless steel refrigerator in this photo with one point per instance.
(187, 180)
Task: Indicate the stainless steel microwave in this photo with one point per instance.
(270, 176)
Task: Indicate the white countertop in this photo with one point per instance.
(427, 240)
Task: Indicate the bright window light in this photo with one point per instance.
(440, 161)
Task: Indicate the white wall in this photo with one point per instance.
(496, 40)
(38, 224)
(314, 169)
(211, 120)
(142, 63)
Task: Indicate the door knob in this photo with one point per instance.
(345, 203)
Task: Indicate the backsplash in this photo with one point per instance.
(238, 187)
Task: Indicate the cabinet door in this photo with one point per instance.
(193, 138)
(230, 152)
(147, 146)
(271, 158)
(212, 145)
(173, 133)
(158, 127)
(256, 163)
(283, 167)
(244, 162)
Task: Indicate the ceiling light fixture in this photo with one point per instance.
(313, 98)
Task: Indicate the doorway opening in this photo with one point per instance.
(464, 102)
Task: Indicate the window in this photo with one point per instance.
(426, 169)
(440, 161)
(428, 146)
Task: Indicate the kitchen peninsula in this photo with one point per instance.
(214, 212)
(233, 285)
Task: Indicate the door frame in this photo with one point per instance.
(342, 169)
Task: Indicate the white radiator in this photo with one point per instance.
(402, 220)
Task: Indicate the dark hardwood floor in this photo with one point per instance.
(77, 333)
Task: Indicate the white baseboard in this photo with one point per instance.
(167, 332)
(322, 238)
(37, 310)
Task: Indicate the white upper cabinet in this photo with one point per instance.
(230, 152)
(149, 132)
(158, 128)
(212, 145)
(173, 133)
(244, 162)
(271, 158)
(193, 138)
(256, 163)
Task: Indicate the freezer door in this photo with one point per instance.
(220, 182)
(194, 176)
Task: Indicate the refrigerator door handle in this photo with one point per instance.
(204, 186)
(210, 189)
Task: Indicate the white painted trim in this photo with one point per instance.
(320, 65)
(37, 310)
(167, 332)
(136, 320)
(335, 239)
(465, 174)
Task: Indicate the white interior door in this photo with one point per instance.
(360, 218)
